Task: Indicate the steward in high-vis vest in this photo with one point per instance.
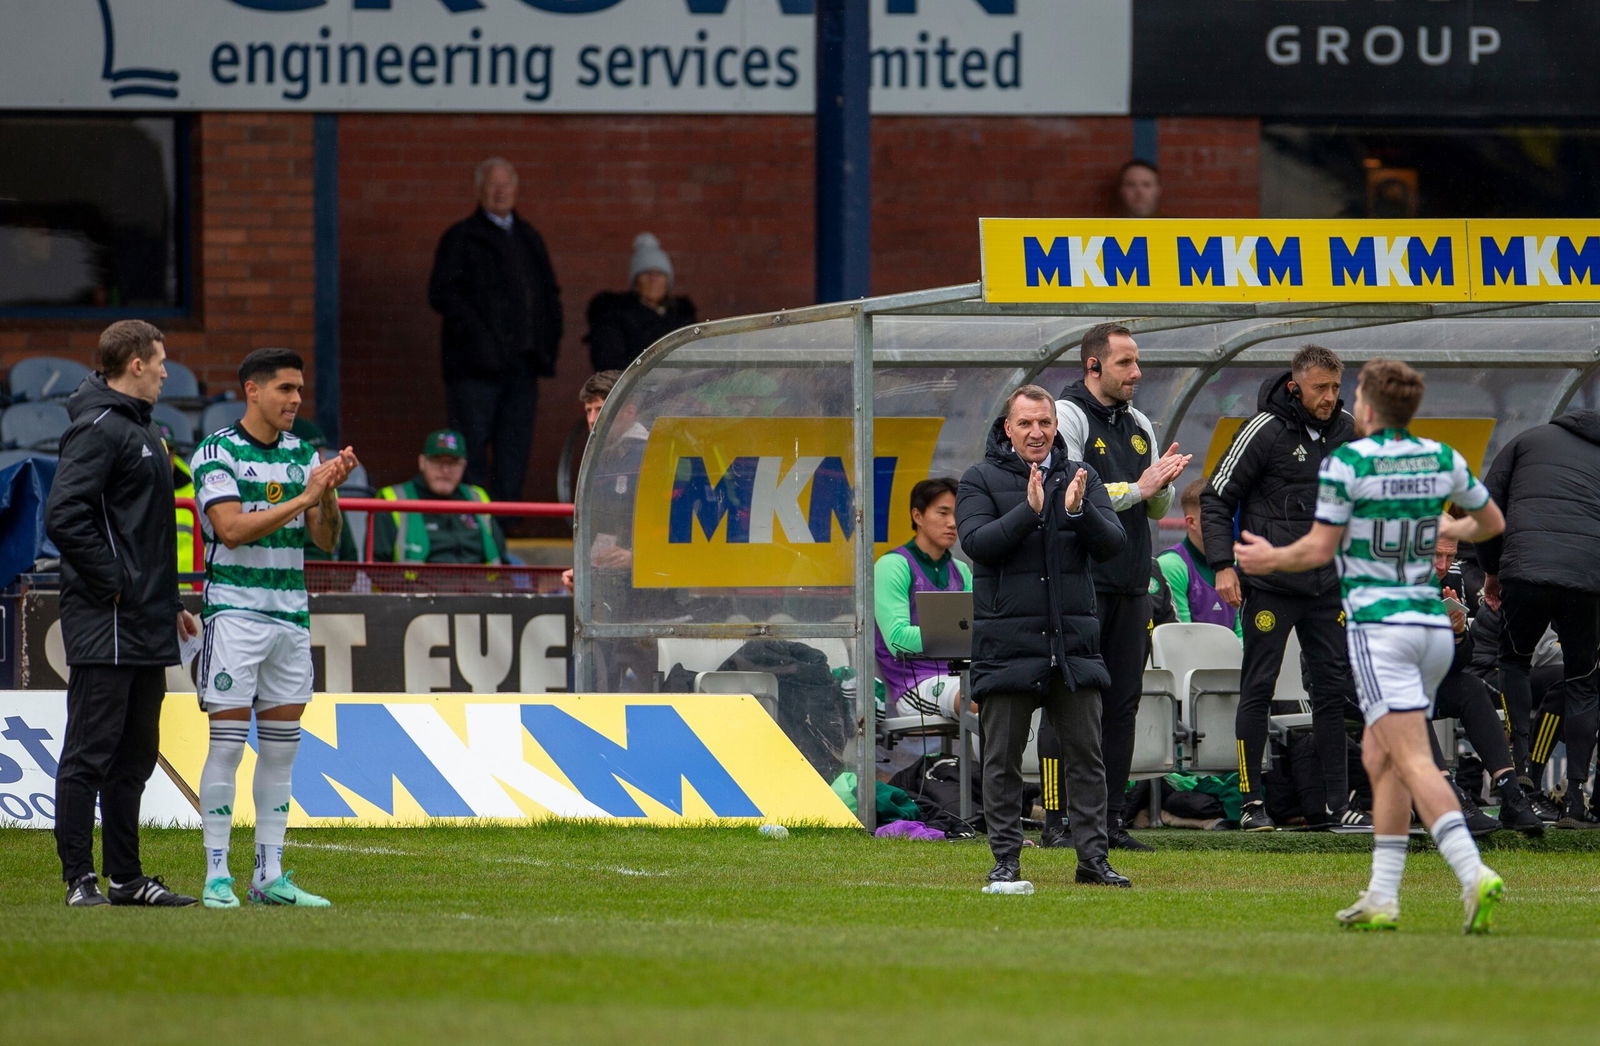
(429, 537)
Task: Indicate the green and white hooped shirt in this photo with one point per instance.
(266, 577)
(1387, 490)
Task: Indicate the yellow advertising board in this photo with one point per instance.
(1217, 260)
(402, 759)
(1535, 260)
(768, 501)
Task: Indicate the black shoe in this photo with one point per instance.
(1255, 818)
(1005, 870)
(1352, 819)
(1576, 817)
(150, 892)
(1516, 812)
(1097, 871)
(1119, 838)
(1478, 822)
(84, 892)
(1056, 837)
(1543, 808)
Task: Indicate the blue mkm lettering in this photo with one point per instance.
(1280, 265)
(1128, 265)
(1436, 266)
(696, 500)
(1507, 266)
(1578, 264)
(374, 754)
(1354, 266)
(1200, 265)
(662, 756)
(1043, 267)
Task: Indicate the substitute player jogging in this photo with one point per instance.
(261, 494)
(1379, 505)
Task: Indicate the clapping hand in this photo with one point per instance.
(1036, 489)
(1073, 500)
(1163, 471)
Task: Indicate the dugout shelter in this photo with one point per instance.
(737, 461)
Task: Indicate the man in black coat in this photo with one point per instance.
(494, 285)
(110, 515)
(1031, 520)
(1268, 479)
(1545, 571)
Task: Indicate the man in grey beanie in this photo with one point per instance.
(622, 324)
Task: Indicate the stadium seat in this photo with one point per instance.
(34, 426)
(763, 686)
(1203, 661)
(220, 415)
(181, 383)
(45, 377)
(180, 422)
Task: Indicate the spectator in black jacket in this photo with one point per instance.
(1545, 571)
(110, 514)
(622, 324)
(1031, 519)
(1268, 480)
(494, 285)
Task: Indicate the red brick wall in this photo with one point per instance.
(731, 199)
(253, 274)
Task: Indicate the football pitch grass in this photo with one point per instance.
(590, 933)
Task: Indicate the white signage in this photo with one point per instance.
(687, 56)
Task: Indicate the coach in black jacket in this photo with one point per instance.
(110, 515)
(493, 283)
(1545, 570)
(1268, 479)
(1031, 520)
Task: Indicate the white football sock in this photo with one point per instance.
(1454, 840)
(279, 740)
(1388, 865)
(218, 780)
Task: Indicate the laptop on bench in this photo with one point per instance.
(946, 622)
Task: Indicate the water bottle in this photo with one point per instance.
(1021, 886)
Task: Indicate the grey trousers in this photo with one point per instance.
(1004, 720)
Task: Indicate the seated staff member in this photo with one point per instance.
(1190, 578)
(431, 537)
(923, 564)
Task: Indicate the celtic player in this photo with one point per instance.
(262, 495)
(1379, 506)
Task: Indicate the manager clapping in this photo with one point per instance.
(1030, 519)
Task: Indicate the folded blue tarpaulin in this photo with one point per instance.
(23, 490)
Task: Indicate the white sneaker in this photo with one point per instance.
(1367, 914)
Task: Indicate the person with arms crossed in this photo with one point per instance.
(262, 495)
(110, 515)
(1100, 426)
(1031, 519)
(1268, 480)
(1380, 504)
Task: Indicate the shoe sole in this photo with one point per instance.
(1481, 919)
(1260, 828)
(1567, 824)
(1370, 926)
(210, 903)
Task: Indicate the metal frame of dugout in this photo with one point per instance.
(948, 354)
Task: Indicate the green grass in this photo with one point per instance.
(585, 933)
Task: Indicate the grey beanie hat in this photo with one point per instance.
(647, 256)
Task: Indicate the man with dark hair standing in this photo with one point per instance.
(1545, 571)
(1268, 478)
(110, 515)
(1032, 518)
(1100, 426)
(494, 285)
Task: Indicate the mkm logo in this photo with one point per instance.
(1239, 261)
(1384, 261)
(756, 496)
(1535, 261)
(1085, 261)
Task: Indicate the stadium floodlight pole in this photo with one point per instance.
(843, 150)
(865, 531)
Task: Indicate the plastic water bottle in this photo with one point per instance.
(774, 831)
(1021, 886)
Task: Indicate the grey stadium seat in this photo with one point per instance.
(180, 422)
(34, 426)
(181, 384)
(220, 415)
(45, 377)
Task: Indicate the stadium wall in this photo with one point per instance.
(729, 196)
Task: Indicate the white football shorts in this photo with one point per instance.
(933, 696)
(252, 662)
(1397, 667)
